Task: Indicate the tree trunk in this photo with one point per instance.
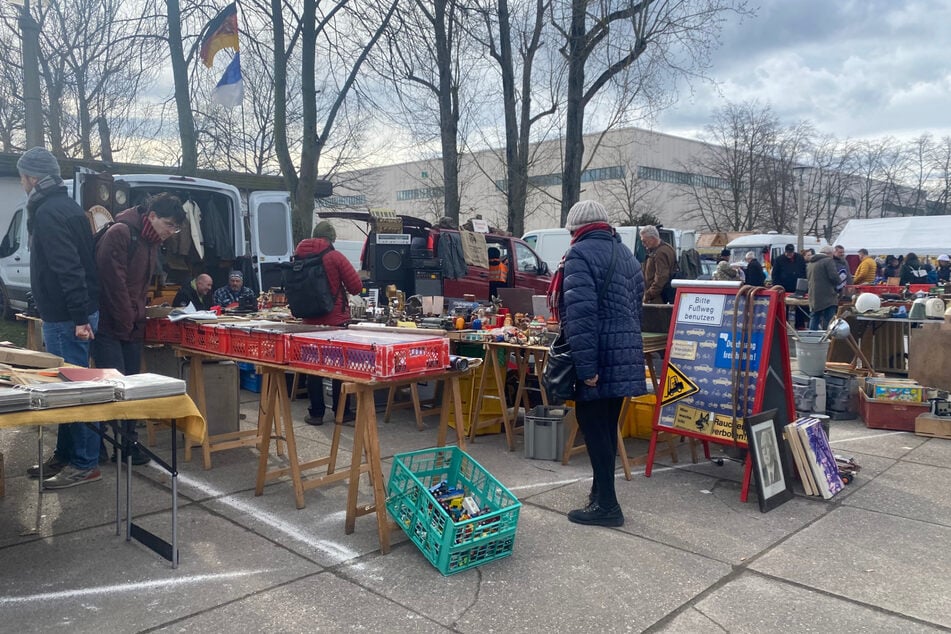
(105, 140)
(310, 143)
(448, 113)
(574, 112)
(186, 123)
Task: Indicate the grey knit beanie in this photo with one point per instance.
(38, 162)
(584, 213)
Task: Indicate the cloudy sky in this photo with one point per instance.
(854, 68)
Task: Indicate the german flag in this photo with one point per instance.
(221, 32)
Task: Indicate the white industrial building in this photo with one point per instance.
(624, 166)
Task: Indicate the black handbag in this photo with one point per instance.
(559, 376)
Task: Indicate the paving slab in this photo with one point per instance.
(875, 442)
(75, 508)
(321, 602)
(752, 603)
(91, 580)
(878, 559)
(911, 490)
(559, 573)
(695, 513)
(315, 531)
(934, 451)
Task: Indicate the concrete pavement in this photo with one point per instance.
(690, 558)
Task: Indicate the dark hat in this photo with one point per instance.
(324, 230)
(725, 252)
(236, 275)
(790, 248)
(38, 162)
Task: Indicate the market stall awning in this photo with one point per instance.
(923, 235)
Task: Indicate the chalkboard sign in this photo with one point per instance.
(723, 365)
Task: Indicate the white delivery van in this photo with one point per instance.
(767, 247)
(551, 244)
(255, 241)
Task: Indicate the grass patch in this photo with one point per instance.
(13, 331)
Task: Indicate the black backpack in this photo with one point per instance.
(133, 237)
(307, 287)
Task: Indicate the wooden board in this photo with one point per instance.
(929, 356)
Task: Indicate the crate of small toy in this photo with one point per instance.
(204, 337)
(161, 330)
(452, 545)
(369, 355)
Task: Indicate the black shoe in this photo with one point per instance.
(314, 420)
(594, 515)
(51, 467)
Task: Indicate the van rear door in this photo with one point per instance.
(271, 239)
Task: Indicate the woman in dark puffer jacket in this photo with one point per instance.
(606, 345)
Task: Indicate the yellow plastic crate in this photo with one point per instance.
(491, 407)
(640, 417)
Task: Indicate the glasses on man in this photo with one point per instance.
(172, 226)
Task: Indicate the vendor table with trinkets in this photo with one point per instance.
(274, 420)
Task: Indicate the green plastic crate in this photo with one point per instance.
(451, 546)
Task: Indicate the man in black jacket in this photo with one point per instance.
(197, 293)
(786, 272)
(66, 290)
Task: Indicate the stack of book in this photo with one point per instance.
(147, 385)
(13, 400)
(813, 457)
(68, 394)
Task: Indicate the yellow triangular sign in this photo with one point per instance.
(676, 386)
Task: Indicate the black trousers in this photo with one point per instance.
(124, 356)
(598, 422)
(315, 391)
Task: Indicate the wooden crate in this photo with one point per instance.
(928, 424)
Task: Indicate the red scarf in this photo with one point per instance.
(558, 279)
(148, 231)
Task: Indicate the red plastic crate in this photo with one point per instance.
(163, 331)
(878, 289)
(924, 288)
(369, 355)
(208, 337)
(894, 415)
(265, 340)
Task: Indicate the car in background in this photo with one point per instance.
(707, 267)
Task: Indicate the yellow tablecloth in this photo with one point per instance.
(181, 408)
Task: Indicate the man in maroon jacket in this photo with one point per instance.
(126, 257)
(343, 279)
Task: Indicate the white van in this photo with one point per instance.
(551, 244)
(768, 247)
(256, 241)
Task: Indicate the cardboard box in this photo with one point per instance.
(29, 358)
(894, 415)
(887, 385)
(934, 426)
(890, 392)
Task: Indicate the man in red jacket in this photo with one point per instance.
(127, 257)
(343, 279)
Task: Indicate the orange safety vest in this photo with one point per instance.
(498, 271)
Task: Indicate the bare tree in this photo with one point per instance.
(621, 53)
(11, 77)
(631, 200)
(514, 40)
(941, 189)
(870, 170)
(348, 34)
(724, 184)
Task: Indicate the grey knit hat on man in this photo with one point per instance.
(38, 162)
(586, 212)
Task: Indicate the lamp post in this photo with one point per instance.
(800, 207)
(33, 106)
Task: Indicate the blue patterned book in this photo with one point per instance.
(820, 456)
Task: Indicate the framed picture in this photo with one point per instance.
(770, 464)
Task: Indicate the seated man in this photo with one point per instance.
(235, 294)
(498, 271)
(197, 292)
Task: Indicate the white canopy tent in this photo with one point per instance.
(923, 235)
